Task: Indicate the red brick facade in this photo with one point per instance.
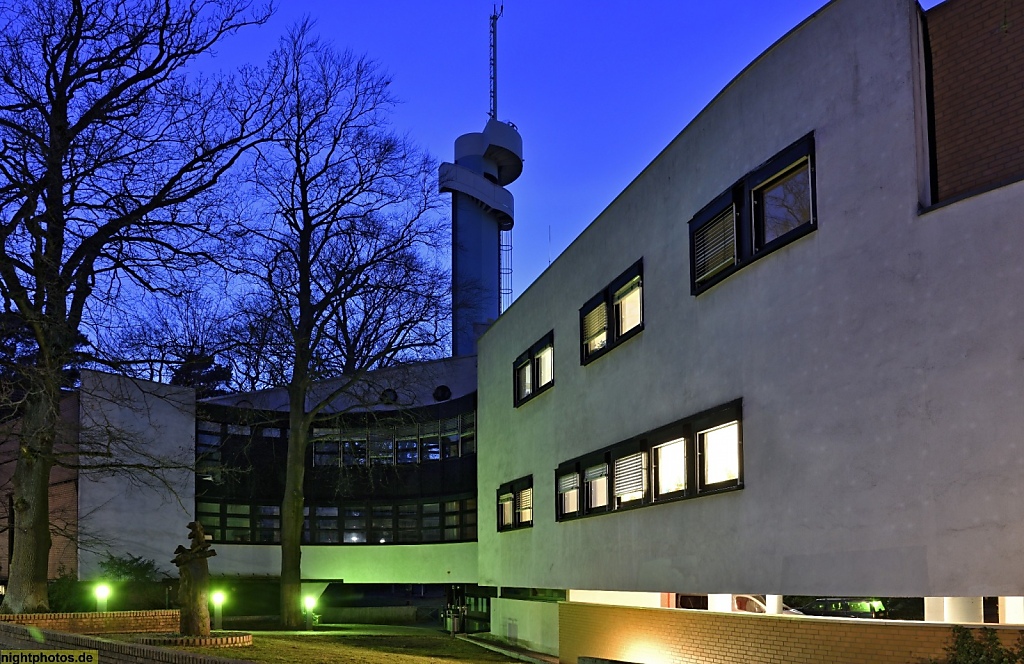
(110, 622)
(977, 47)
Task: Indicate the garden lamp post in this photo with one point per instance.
(218, 613)
(102, 593)
(310, 603)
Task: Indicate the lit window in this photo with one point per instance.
(767, 209)
(622, 303)
(524, 381)
(534, 370)
(595, 329)
(630, 478)
(671, 463)
(515, 504)
(569, 494)
(545, 365)
(505, 511)
(596, 478)
(700, 455)
(720, 448)
(524, 506)
(627, 306)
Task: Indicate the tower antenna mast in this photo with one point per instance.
(495, 15)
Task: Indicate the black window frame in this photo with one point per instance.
(685, 438)
(515, 487)
(606, 299)
(560, 513)
(702, 426)
(423, 520)
(687, 430)
(748, 230)
(532, 358)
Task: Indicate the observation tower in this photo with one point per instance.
(482, 218)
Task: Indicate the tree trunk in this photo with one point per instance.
(292, 517)
(26, 589)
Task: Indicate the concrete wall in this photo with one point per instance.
(141, 511)
(879, 358)
(414, 563)
(530, 625)
(672, 636)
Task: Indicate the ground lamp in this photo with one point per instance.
(102, 593)
(310, 603)
(218, 605)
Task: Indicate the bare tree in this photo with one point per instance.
(181, 340)
(344, 271)
(110, 155)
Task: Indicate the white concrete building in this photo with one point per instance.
(787, 359)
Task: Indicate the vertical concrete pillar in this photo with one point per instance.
(773, 603)
(964, 609)
(1011, 610)
(934, 609)
(720, 602)
(954, 609)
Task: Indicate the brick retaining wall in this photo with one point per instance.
(663, 636)
(108, 622)
(18, 637)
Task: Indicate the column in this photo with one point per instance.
(954, 609)
(1011, 610)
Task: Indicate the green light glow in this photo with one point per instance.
(102, 591)
(218, 598)
(310, 602)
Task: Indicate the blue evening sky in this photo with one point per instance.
(597, 89)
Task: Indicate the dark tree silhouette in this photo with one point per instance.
(343, 271)
(109, 164)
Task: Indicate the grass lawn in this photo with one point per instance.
(332, 647)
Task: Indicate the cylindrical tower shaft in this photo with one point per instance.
(481, 210)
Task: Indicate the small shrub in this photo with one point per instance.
(129, 568)
(67, 594)
(983, 649)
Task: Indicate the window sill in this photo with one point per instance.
(612, 346)
(773, 246)
(533, 395)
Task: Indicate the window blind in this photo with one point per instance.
(595, 472)
(595, 322)
(525, 500)
(714, 245)
(567, 483)
(629, 475)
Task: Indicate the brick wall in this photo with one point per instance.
(663, 636)
(977, 47)
(110, 622)
(16, 637)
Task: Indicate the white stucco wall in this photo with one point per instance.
(131, 512)
(528, 624)
(880, 359)
(415, 563)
